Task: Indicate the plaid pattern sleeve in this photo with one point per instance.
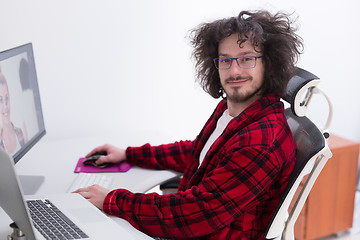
(234, 192)
(168, 156)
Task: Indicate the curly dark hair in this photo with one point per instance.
(274, 35)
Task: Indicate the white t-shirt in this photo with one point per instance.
(220, 127)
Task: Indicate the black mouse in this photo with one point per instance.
(92, 159)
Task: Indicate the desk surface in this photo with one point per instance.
(56, 160)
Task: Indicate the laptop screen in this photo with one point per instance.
(21, 118)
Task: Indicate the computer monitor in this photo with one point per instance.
(21, 117)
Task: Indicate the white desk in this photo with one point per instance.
(56, 161)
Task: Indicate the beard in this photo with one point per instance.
(235, 95)
(241, 97)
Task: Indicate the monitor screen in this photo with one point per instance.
(21, 121)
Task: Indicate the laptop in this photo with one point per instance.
(92, 222)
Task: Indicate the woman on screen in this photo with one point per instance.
(11, 137)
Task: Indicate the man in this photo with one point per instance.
(238, 166)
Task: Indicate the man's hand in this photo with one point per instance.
(113, 154)
(95, 194)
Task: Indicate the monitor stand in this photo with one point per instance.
(30, 184)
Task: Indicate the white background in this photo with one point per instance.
(124, 68)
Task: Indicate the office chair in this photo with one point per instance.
(312, 154)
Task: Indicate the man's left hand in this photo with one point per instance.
(95, 194)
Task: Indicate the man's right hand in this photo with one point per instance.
(113, 154)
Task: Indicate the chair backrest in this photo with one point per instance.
(311, 156)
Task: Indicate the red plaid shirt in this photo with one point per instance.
(234, 192)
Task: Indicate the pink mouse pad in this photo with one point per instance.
(118, 167)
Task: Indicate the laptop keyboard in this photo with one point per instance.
(51, 222)
(87, 179)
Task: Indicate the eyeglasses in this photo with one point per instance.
(243, 62)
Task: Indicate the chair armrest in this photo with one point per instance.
(171, 186)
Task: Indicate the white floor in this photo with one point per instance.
(342, 236)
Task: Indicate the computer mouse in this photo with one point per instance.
(92, 161)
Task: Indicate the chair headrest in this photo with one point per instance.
(299, 90)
